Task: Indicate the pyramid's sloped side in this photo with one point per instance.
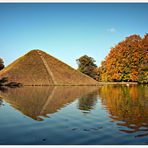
(28, 70)
(64, 74)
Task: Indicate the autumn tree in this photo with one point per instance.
(127, 61)
(1, 64)
(87, 66)
(143, 61)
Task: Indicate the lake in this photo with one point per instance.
(103, 115)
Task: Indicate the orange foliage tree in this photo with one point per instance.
(127, 61)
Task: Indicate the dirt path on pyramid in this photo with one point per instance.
(47, 68)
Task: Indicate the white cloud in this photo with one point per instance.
(112, 30)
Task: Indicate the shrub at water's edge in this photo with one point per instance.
(4, 83)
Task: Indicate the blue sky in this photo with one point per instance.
(68, 31)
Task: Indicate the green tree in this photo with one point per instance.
(87, 66)
(1, 64)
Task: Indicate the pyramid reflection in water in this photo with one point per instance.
(40, 101)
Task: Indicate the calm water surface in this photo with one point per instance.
(74, 115)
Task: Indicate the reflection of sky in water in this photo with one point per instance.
(75, 115)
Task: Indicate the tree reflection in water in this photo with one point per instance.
(128, 105)
(88, 102)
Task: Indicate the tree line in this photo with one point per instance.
(126, 62)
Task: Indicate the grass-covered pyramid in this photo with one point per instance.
(39, 68)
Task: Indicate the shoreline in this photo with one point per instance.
(89, 85)
(119, 83)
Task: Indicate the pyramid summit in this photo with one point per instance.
(39, 68)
